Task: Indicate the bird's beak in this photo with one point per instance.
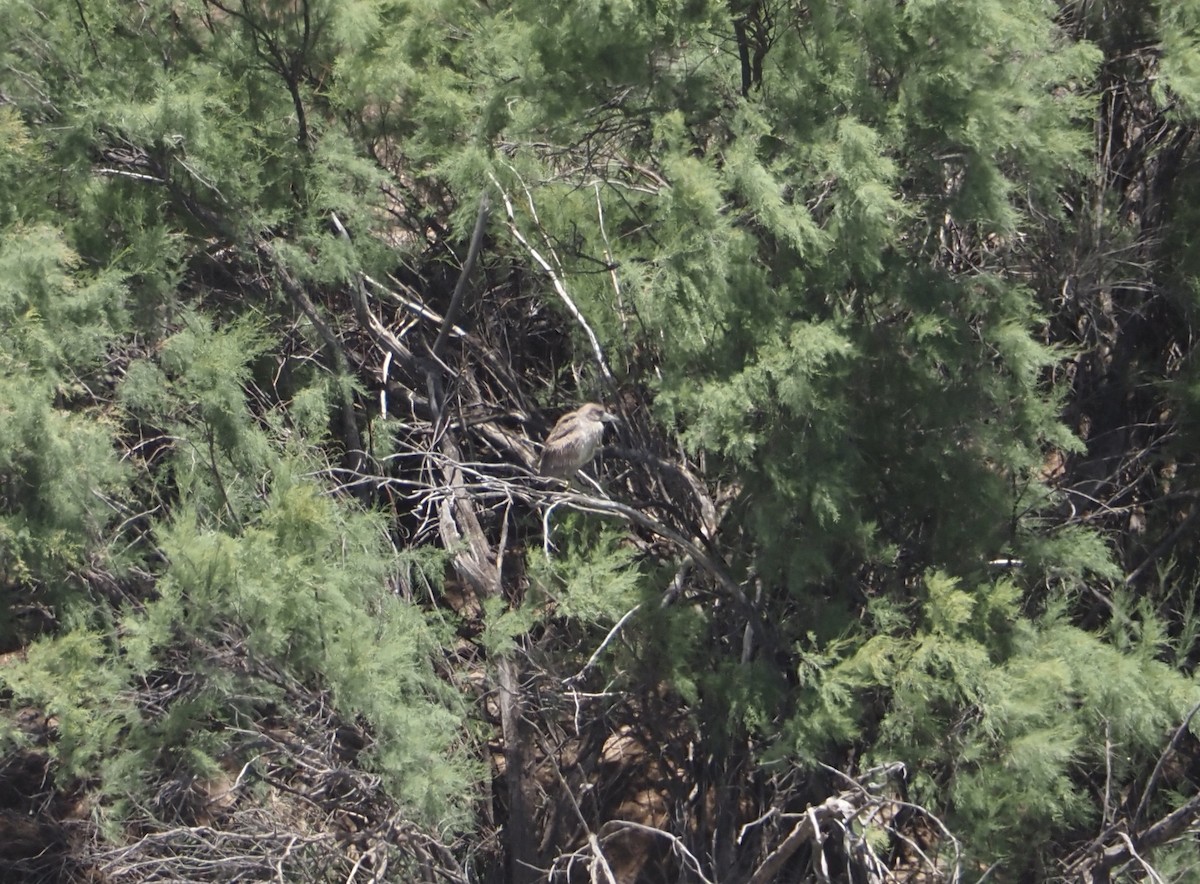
(610, 418)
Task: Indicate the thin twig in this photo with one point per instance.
(1158, 767)
(559, 288)
(608, 257)
(676, 842)
(612, 633)
(468, 266)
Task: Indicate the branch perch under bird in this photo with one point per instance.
(574, 441)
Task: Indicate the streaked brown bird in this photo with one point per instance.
(574, 441)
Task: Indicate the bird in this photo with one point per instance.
(574, 441)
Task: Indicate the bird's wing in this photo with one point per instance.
(567, 447)
(560, 457)
(565, 426)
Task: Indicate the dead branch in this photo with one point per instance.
(1125, 840)
(559, 288)
(468, 265)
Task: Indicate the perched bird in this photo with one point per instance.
(574, 441)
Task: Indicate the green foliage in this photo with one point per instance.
(822, 242)
(592, 578)
(1180, 34)
(591, 581)
(55, 321)
(787, 275)
(18, 160)
(57, 467)
(300, 590)
(171, 136)
(303, 589)
(196, 391)
(259, 556)
(1006, 719)
(80, 684)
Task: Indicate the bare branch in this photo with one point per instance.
(558, 285)
(468, 266)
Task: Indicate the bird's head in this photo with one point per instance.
(594, 412)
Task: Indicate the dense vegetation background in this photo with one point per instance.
(890, 571)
